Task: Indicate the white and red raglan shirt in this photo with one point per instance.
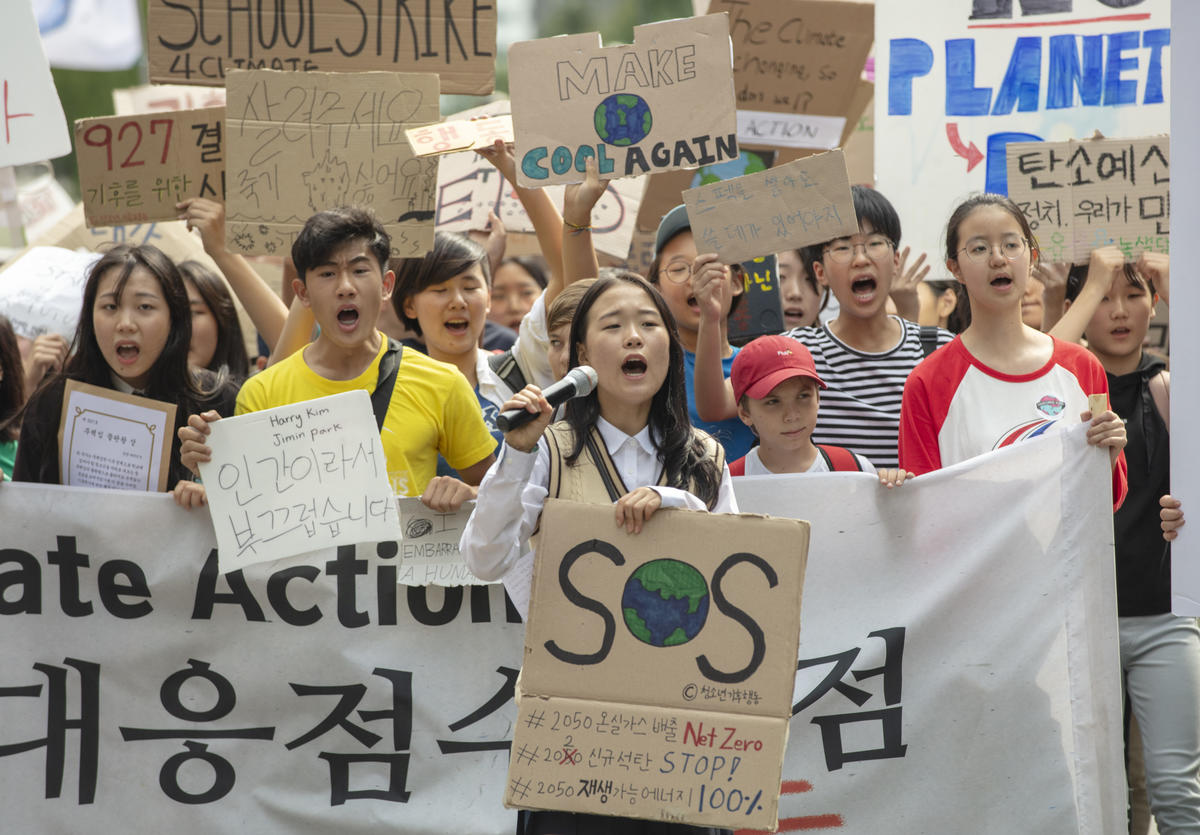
(955, 407)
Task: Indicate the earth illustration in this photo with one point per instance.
(665, 603)
(748, 162)
(623, 119)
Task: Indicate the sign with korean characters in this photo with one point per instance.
(203, 41)
(134, 169)
(663, 103)
(34, 125)
(792, 205)
(301, 143)
(659, 666)
(1081, 195)
(156, 98)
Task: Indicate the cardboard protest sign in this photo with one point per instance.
(156, 98)
(34, 125)
(300, 143)
(796, 65)
(114, 440)
(1080, 195)
(429, 554)
(204, 41)
(761, 309)
(136, 168)
(459, 135)
(661, 104)
(288, 480)
(659, 666)
(786, 207)
(41, 290)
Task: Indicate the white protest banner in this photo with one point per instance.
(142, 691)
(42, 290)
(114, 440)
(1084, 194)
(289, 480)
(34, 125)
(429, 553)
(341, 144)
(204, 41)
(786, 207)
(158, 98)
(958, 647)
(661, 104)
(958, 80)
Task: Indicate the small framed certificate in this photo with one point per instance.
(114, 440)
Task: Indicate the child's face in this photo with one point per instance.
(677, 257)
(786, 417)
(559, 351)
(204, 329)
(513, 293)
(1033, 308)
(451, 314)
(131, 331)
(801, 301)
(627, 343)
(345, 294)
(859, 271)
(1119, 325)
(993, 282)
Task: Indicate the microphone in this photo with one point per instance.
(579, 382)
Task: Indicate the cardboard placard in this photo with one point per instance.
(661, 104)
(665, 191)
(34, 125)
(761, 310)
(1084, 194)
(796, 65)
(792, 205)
(460, 135)
(300, 143)
(659, 666)
(204, 41)
(156, 98)
(289, 480)
(136, 168)
(110, 439)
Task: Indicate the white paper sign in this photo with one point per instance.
(429, 554)
(115, 441)
(41, 291)
(290, 480)
(789, 130)
(34, 125)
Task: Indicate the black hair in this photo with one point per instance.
(976, 201)
(533, 264)
(960, 316)
(230, 352)
(655, 265)
(871, 206)
(686, 462)
(12, 382)
(452, 255)
(326, 231)
(1078, 276)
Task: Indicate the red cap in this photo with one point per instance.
(768, 361)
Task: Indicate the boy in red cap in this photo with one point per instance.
(777, 389)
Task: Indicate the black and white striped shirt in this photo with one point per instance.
(860, 409)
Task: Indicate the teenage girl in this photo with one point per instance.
(217, 340)
(134, 335)
(1000, 381)
(518, 282)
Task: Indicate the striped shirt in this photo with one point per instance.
(860, 409)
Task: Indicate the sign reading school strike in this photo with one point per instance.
(300, 143)
(202, 41)
(34, 127)
(663, 103)
(659, 666)
(1082, 195)
(134, 169)
(958, 80)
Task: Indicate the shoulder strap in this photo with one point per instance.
(505, 367)
(554, 452)
(389, 364)
(929, 339)
(1160, 392)
(604, 465)
(839, 459)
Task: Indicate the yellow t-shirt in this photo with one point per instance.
(432, 410)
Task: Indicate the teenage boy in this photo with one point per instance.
(341, 258)
(863, 356)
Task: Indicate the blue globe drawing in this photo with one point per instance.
(665, 603)
(747, 162)
(623, 119)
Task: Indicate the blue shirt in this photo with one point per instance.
(735, 436)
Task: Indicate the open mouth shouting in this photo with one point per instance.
(863, 288)
(1002, 282)
(634, 367)
(347, 317)
(458, 326)
(128, 353)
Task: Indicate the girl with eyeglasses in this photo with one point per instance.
(1000, 381)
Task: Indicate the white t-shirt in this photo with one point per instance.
(754, 466)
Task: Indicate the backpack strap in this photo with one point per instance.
(389, 364)
(929, 339)
(505, 367)
(839, 459)
(604, 465)
(1160, 392)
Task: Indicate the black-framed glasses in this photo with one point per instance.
(876, 247)
(981, 249)
(678, 272)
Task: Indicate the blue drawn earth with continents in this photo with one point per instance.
(747, 162)
(623, 119)
(665, 603)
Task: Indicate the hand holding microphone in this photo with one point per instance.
(579, 382)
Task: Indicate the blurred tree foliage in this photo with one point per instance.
(613, 19)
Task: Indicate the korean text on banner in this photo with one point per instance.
(157, 98)
(958, 81)
(792, 205)
(133, 169)
(796, 66)
(659, 666)
(204, 41)
(459, 135)
(34, 125)
(288, 480)
(663, 103)
(339, 142)
(1082, 195)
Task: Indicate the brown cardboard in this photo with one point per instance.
(459, 135)
(202, 41)
(859, 146)
(134, 169)
(675, 77)
(665, 191)
(1080, 195)
(793, 205)
(156, 98)
(726, 689)
(300, 143)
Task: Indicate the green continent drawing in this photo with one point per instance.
(665, 602)
(623, 119)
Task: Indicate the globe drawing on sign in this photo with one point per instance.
(623, 119)
(747, 162)
(665, 603)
